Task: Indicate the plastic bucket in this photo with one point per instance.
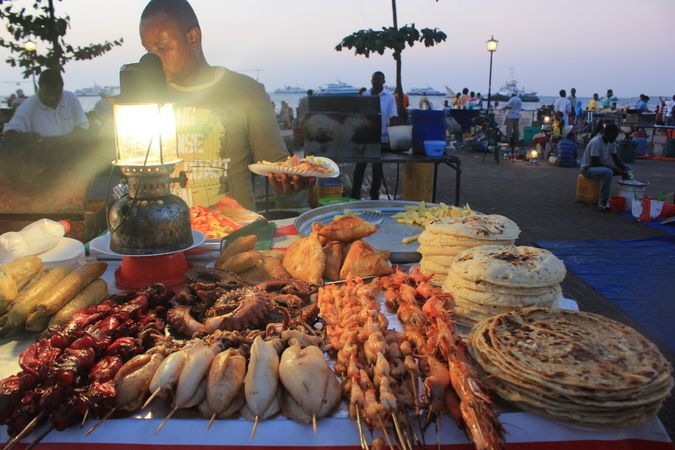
(626, 190)
(627, 150)
(529, 133)
(670, 148)
(400, 137)
(329, 189)
(588, 190)
(427, 125)
(434, 148)
(642, 146)
(617, 203)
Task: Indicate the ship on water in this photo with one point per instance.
(426, 90)
(95, 91)
(338, 88)
(290, 90)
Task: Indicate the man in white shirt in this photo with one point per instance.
(51, 112)
(389, 114)
(512, 119)
(564, 106)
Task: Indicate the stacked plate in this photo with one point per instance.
(489, 280)
(572, 366)
(442, 239)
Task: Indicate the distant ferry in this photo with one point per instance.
(510, 88)
(290, 90)
(338, 88)
(95, 91)
(427, 90)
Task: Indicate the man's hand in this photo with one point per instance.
(290, 184)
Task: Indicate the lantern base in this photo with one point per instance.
(136, 272)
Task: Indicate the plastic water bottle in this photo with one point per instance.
(35, 238)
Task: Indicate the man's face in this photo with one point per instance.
(377, 81)
(610, 135)
(161, 35)
(573, 92)
(50, 96)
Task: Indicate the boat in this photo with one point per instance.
(426, 90)
(511, 87)
(450, 92)
(338, 88)
(290, 90)
(95, 91)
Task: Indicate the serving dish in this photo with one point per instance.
(264, 169)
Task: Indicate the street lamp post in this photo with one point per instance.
(491, 47)
(31, 46)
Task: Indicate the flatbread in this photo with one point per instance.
(498, 298)
(439, 239)
(441, 250)
(484, 286)
(521, 266)
(486, 227)
(433, 267)
(437, 279)
(442, 260)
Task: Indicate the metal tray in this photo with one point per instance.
(389, 235)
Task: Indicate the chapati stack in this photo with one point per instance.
(572, 366)
(443, 238)
(490, 280)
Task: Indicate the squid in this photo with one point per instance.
(262, 378)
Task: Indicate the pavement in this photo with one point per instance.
(541, 200)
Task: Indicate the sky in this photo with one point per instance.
(591, 45)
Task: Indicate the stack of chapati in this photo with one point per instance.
(572, 366)
(443, 238)
(490, 280)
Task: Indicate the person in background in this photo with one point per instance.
(10, 99)
(464, 97)
(51, 112)
(600, 161)
(303, 106)
(223, 115)
(455, 101)
(579, 122)
(607, 99)
(593, 104)
(20, 98)
(573, 101)
(103, 109)
(668, 111)
(641, 105)
(563, 105)
(389, 114)
(478, 101)
(362, 91)
(557, 130)
(566, 155)
(424, 102)
(514, 105)
(470, 102)
(406, 103)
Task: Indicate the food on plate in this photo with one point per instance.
(225, 380)
(420, 214)
(267, 268)
(572, 366)
(305, 259)
(334, 252)
(491, 279)
(362, 261)
(241, 261)
(262, 379)
(445, 237)
(347, 228)
(214, 225)
(240, 245)
(14, 276)
(306, 163)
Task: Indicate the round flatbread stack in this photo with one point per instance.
(572, 366)
(489, 280)
(444, 238)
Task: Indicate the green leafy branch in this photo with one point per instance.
(365, 42)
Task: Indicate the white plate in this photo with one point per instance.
(64, 253)
(102, 245)
(264, 169)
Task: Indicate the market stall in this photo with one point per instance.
(186, 429)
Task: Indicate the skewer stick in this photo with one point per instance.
(364, 443)
(25, 432)
(413, 377)
(438, 438)
(154, 394)
(255, 426)
(41, 437)
(398, 432)
(168, 416)
(314, 422)
(106, 417)
(213, 417)
(84, 418)
(384, 431)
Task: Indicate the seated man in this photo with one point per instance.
(596, 163)
(51, 112)
(567, 152)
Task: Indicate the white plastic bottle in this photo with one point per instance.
(35, 238)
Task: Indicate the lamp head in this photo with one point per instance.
(492, 44)
(30, 46)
